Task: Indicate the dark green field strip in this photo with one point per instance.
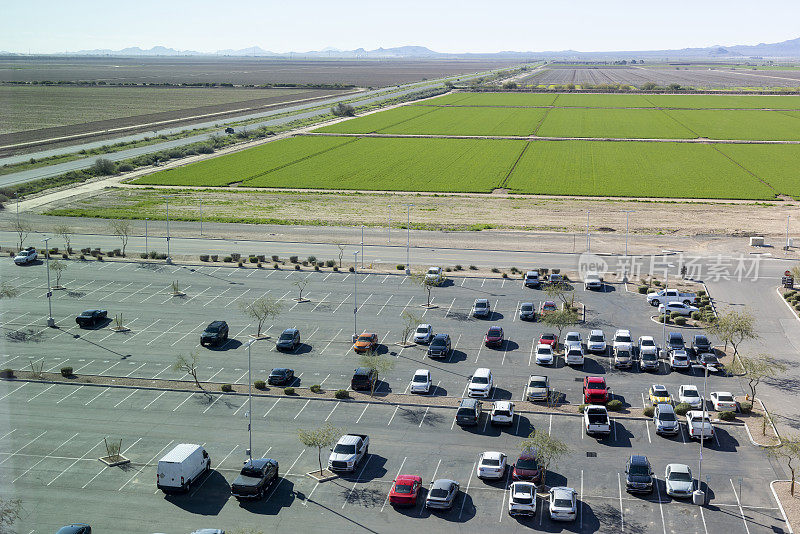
(740, 124)
(775, 164)
(448, 165)
(614, 123)
(240, 166)
(377, 121)
(632, 169)
(473, 121)
(448, 99)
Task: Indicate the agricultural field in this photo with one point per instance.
(739, 124)
(775, 164)
(617, 123)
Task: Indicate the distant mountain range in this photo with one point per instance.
(785, 49)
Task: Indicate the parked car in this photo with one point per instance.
(592, 281)
(349, 451)
(665, 420)
(563, 504)
(502, 413)
(658, 394)
(214, 334)
(678, 480)
(469, 412)
(648, 362)
(405, 490)
(434, 276)
(647, 345)
(442, 494)
(678, 359)
(527, 468)
(597, 342)
(538, 388)
(548, 338)
(548, 306)
(26, 256)
(481, 308)
(638, 475)
(699, 425)
(623, 356)
(678, 308)
(596, 420)
(439, 346)
(622, 337)
(229, 130)
(656, 298)
(421, 382)
(723, 401)
(480, 383)
(527, 311)
(494, 337)
(532, 279)
(700, 344)
(363, 379)
(709, 361)
(675, 341)
(573, 354)
(366, 342)
(544, 354)
(689, 394)
(491, 465)
(522, 499)
(91, 318)
(289, 340)
(281, 376)
(181, 467)
(423, 333)
(595, 390)
(75, 528)
(555, 278)
(255, 478)
(573, 337)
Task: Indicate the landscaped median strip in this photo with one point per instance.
(213, 388)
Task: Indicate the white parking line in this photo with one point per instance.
(322, 301)
(43, 391)
(17, 451)
(126, 398)
(106, 467)
(331, 341)
(95, 397)
(212, 403)
(505, 490)
(152, 401)
(218, 296)
(14, 390)
(741, 512)
(580, 498)
(395, 478)
(237, 298)
(9, 433)
(301, 409)
(186, 334)
(276, 403)
(146, 464)
(135, 292)
(358, 478)
(75, 462)
(197, 295)
(505, 351)
(45, 457)
(393, 414)
(362, 413)
(406, 306)
(117, 291)
(334, 408)
(464, 500)
(167, 331)
(660, 507)
(387, 302)
(140, 331)
(621, 509)
(343, 301)
(449, 308)
(183, 401)
(423, 416)
(59, 401)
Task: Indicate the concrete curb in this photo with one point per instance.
(792, 310)
(780, 506)
(673, 325)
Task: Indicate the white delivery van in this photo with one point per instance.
(181, 467)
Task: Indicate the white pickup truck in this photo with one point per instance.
(670, 295)
(348, 452)
(698, 425)
(596, 421)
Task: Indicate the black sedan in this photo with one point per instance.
(281, 377)
(254, 479)
(91, 318)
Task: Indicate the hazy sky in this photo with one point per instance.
(442, 25)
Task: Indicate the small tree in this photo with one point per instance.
(260, 310)
(343, 110)
(188, 364)
(734, 327)
(548, 450)
(754, 370)
(560, 319)
(425, 283)
(121, 228)
(559, 291)
(66, 234)
(57, 267)
(788, 451)
(113, 449)
(7, 290)
(104, 167)
(376, 362)
(410, 322)
(22, 229)
(10, 512)
(301, 286)
(341, 253)
(321, 438)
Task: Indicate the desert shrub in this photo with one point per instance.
(401, 267)
(227, 259)
(459, 268)
(7, 373)
(643, 289)
(681, 408)
(227, 388)
(82, 257)
(99, 257)
(316, 267)
(65, 256)
(275, 257)
(473, 268)
(701, 293)
(336, 269)
(657, 283)
(330, 263)
(696, 315)
(581, 408)
(351, 269)
(660, 319)
(505, 275)
(448, 269)
(215, 257)
(726, 416)
(312, 260)
(259, 384)
(203, 257)
(296, 266)
(258, 265)
(614, 405)
(293, 259)
(674, 315)
(648, 411)
(240, 263)
(305, 263)
(288, 391)
(680, 321)
(261, 257)
(789, 294)
(316, 388)
(276, 266)
(253, 259)
(495, 270)
(342, 394)
(143, 255)
(745, 407)
(66, 372)
(125, 167)
(236, 256)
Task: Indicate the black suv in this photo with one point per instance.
(701, 344)
(91, 318)
(440, 346)
(469, 412)
(281, 377)
(289, 340)
(638, 475)
(675, 341)
(255, 478)
(214, 334)
(363, 378)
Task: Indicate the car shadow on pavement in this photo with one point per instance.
(366, 472)
(280, 496)
(231, 344)
(724, 441)
(522, 428)
(303, 348)
(619, 437)
(501, 394)
(495, 316)
(463, 510)
(592, 366)
(455, 357)
(207, 498)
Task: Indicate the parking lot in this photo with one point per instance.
(55, 431)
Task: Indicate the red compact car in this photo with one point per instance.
(595, 390)
(494, 337)
(405, 490)
(549, 339)
(527, 468)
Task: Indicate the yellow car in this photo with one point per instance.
(659, 394)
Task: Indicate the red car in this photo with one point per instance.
(595, 390)
(494, 337)
(527, 468)
(549, 339)
(548, 306)
(405, 490)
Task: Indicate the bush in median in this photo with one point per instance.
(7, 373)
(342, 394)
(614, 405)
(681, 408)
(252, 259)
(696, 315)
(648, 411)
(316, 388)
(259, 384)
(680, 321)
(227, 259)
(581, 408)
(401, 267)
(227, 388)
(215, 257)
(643, 289)
(66, 372)
(745, 407)
(330, 263)
(204, 257)
(288, 391)
(726, 416)
(293, 259)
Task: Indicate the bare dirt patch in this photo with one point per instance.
(791, 504)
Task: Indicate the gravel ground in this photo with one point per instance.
(791, 505)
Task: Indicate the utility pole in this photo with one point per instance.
(250, 400)
(362, 246)
(786, 250)
(145, 234)
(50, 322)
(588, 248)
(355, 296)
(389, 228)
(627, 216)
(201, 216)
(408, 238)
(169, 257)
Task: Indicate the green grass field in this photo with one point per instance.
(775, 164)
(492, 99)
(472, 121)
(739, 124)
(619, 123)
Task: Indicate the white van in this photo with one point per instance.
(181, 466)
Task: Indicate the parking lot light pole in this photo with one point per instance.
(169, 258)
(408, 238)
(588, 248)
(50, 322)
(355, 296)
(145, 234)
(201, 216)
(389, 228)
(250, 400)
(786, 250)
(699, 495)
(627, 215)
(362, 246)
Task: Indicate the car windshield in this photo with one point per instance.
(639, 470)
(438, 342)
(623, 354)
(402, 488)
(666, 416)
(287, 336)
(278, 372)
(623, 338)
(491, 462)
(420, 378)
(701, 340)
(562, 503)
(422, 330)
(690, 393)
(596, 385)
(549, 306)
(438, 493)
(596, 338)
(527, 308)
(480, 380)
(649, 357)
(480, 304)
(573, 337)
(681, 357)
(212, 328)
(548, 337)
(365, 339)
(680, 476)
(344, 449)
(527, 463)
(710, 358)
(523, 499)
(648, 343)
(544, 349)
(433, 270)
(538, 384)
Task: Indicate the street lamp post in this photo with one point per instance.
(787, 235)
(169, 258)
(50, 322)
(699, 494)
(389, 228)
(362, 246)
(145, 234)
(355, 296)
(250, 400)
(408, 238)
(627, 215)
(588, 248)
(201, 216)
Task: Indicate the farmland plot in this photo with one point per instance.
(725, 101)
(575, 100)
(472, 121)
(739, 124)
(377, 121)
(775, 164)
(615, 123)
(632, 169)
(494, 99)
(451, 165)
